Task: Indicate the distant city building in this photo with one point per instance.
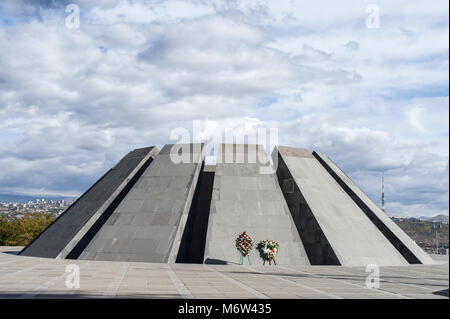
(54, 207)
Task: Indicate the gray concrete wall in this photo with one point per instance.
(398, 238)
(96, 200)
(316, 244)
(243, 199)
(352, 236)
(148, 224)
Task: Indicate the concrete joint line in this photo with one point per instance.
(8, 262)
(408, 284)
(385, 292)
(429, 279)
(321, 292)
(240, 284)
(181, 288)
(382, 291)
(23, 270)
(114, 286)
(46, 286)
(325, 277)
(41, 288)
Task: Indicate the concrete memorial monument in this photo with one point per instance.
(169, 207)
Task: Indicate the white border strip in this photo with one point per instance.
(298, 284)
(349, 283)
(23, 270)
(45, 286)
(240, 284)
(181, 288)
(114, 285)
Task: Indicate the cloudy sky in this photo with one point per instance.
(374, 97)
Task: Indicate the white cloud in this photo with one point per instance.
(73, 102)
(415, 115)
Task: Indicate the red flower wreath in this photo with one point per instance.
(244, 243)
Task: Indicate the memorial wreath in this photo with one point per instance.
(244, 243)
(269, 249)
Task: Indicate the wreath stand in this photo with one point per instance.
(270, 261)
(241, 260)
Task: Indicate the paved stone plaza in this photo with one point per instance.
(32, 277)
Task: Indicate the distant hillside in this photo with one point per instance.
(436, 219)
(423, 231)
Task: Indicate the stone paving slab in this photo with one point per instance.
(33, 277)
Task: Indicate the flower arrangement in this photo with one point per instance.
(244, 243)
(269, 248)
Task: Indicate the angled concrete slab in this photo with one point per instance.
(65, 232)
(398, 238)
(148, 224)
(247, 197)
(332, 227)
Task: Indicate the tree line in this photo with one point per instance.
(20, 231)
